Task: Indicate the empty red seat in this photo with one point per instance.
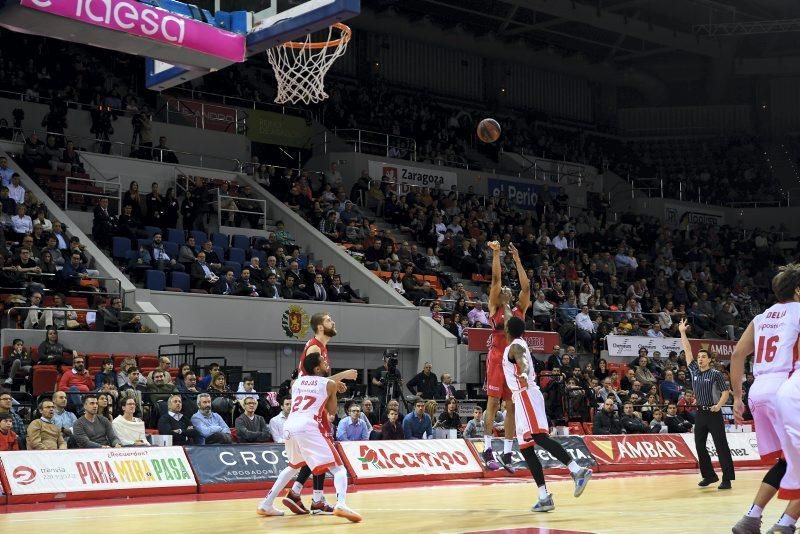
(147, 360)
(45, 378)
(96, 359)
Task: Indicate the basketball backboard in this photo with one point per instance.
(276, 23)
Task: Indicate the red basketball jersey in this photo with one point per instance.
(313, 342)
(497, 341)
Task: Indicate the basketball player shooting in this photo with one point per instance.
(324, 329)
(500, 311)
(774, 337)
(306, 444)
(531, 419)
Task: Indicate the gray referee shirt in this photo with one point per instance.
(708, 385)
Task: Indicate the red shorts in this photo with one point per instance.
(495, 379)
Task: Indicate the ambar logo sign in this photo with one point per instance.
(24, 475)
(637, 449)
(371, 458)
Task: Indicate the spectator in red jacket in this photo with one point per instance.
(8, 438)
(76, 381)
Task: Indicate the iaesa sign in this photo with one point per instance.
(142, 20)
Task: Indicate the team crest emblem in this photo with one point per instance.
(295, 322)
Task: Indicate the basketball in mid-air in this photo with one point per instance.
(488, 130)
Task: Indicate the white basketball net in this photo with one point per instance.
(300, 66)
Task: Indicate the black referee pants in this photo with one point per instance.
(707, 422)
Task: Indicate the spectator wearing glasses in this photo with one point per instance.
(43, 434)
(76, 381)
(128, 428)
(250, 427)
(353, 428)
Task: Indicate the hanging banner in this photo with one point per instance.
(91, 470)
(628, 346)
(407, 177)
(648, 451)
(693, 215)
(428, 459)
(538, 342)
(273, 128)
(524, 195)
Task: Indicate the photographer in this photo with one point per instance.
(102, 129)
(554, 393)
(142, 141)
(386, 380)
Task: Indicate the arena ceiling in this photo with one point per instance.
(620, 31)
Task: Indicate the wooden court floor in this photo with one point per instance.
(617, 504)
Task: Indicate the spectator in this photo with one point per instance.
(368, 413)
(159, 390)
(554, 360)
(18, 361)
(424, 383)
(104, 225)
(670, 390)
(222, 399)
(475, 427)
(449, 418)
(608, 391)
(117, 320)
(644, 375)
(128, 428)
(9, 440)
(43, 434)
(21, 223)
(586, 328)
(251, 428)
(542, 311)
(105, 405)
(66, 319)
(657, 424)
(277, 422)
(38, 317)
(353, 428)
(91, 431)
(631, 421)
(174, 423)
(391, 428)
(163, 366)
(76, 381)
(63, 418)
(160, 258)
(202, 274)
(210, 427)
(73, 272)
(211, 370)
(606, 420)
(445, 389)
(417, 424)
(687, 406)
(675, 423)
(477, 316)
(133, 389)
(395, 282)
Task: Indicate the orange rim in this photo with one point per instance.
(346, 34)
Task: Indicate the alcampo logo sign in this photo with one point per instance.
(379, 459)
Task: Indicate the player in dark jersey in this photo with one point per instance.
(500, 310)
(324, 329)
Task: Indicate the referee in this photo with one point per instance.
(711, 393)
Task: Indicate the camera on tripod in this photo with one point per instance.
(392, 359)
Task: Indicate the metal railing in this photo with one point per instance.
(384, 144)
(229, 205)
(195, 94)
(205, 115)
(88, 310)
(103, 185)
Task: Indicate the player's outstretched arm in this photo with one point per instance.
(524, 298)
(332, 404)
(494, 288)
(744, 348)
(687, 347)
(516, 354)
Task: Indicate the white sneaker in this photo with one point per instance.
(341, 510)
(268, 510)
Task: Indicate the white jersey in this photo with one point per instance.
(309, 395)
(511, 371)
(775, 336)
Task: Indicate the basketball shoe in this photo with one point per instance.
(293, 502)
(508, 462)
(747, 525)
(321, 508)
(581, 479)
(268, 510)
(341, 510)
(488, 458)
(544, 505)
(781, 529)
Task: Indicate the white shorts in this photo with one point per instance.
(311, 448)
(529, 415)
(762, 400)
(788, 407)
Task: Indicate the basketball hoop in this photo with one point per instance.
(300, 66)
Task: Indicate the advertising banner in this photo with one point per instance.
(677, 214)
(538, 342)
(142, 20)
(628, 346)
(743, 445)
(90, 470)
(429, 459)
(278, 129)
(573, 444)
(407, 176)
(641, 451)
(524, 195)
